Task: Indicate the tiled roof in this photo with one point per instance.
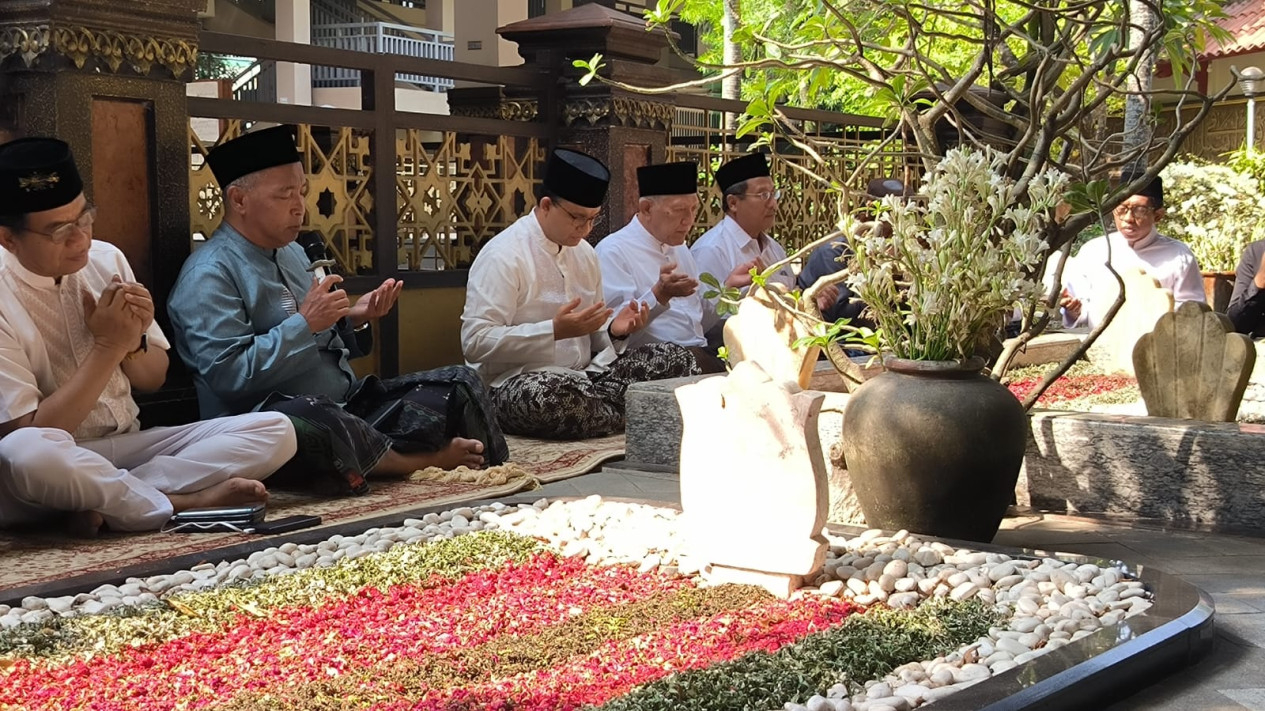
(1245, 22)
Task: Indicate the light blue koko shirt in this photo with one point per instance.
(232, 328)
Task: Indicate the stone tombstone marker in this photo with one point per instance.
(754, 489)
(1193, 365)
(766, 334)
(1145, 301)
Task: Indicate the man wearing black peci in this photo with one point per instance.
(260, 330)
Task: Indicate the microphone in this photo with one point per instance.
(314, 248)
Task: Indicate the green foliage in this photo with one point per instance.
(217, 66)
(1249, 161)
(948, 32)
(844, 333)
(726, 297)
(590, 66)
(864, 647)
(1215, 209)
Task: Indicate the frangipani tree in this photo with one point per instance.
(1040, 82)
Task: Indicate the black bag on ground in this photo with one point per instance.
(421, 413)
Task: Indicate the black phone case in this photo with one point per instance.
(289, 523)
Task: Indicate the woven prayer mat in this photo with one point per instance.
(550, 460)
(30, 559)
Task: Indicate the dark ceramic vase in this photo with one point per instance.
(934, 447)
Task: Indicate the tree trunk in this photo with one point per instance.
(1138, 124)
(731, 87)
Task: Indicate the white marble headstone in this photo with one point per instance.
(754, 488)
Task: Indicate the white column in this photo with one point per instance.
(294, 24)
(439, 16)
(508, 51)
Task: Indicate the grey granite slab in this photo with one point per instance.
(1181, 472)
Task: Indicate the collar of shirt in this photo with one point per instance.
(1141, 244)
(538, 237)
(647, 239)
(737, 236)
(232, 233)
(12, 264)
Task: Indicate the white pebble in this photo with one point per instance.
(819, 703)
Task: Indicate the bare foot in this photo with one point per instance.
(458, 452)
(230, 492)
(84, 524)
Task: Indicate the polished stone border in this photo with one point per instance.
(1103, 667)
(1089, 673)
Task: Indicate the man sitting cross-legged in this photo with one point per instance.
(535, 324)
(648, 261)
(77, 334)
(260, 331)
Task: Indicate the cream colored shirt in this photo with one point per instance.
(516, 286)
(44, 339)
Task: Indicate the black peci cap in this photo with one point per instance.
(37, 174)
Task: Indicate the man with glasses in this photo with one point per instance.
(740, 242)
(647, 261)
(261, 329)
(77, 335)
(1090, 289)
(536, 325)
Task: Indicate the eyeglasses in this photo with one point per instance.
(579, 220)
(766, 196)
(1137, 211)
(63, 232)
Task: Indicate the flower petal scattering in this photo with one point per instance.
(570, 605)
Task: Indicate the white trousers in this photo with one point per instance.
(126, 477)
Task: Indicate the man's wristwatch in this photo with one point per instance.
(141, 349)
(361, 327)
(613, 337)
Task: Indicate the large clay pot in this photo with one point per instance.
(1217, 289)
(934, 447)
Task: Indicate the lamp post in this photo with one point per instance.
(1252, 80)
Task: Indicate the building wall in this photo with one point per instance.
(474, 25)
(430, 328)
(1219, 73)
(231, 19)
(411, 100)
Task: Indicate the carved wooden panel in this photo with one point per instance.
(808, 209)
(636, 155)
(454, 193)
(121, 180)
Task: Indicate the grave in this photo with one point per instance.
(773, 469)
(1146, 301)
(1193, 365)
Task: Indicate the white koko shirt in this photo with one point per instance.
(44, 339)
(1171, 263)
(631, 259)
(722, 248)
(516, 285)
